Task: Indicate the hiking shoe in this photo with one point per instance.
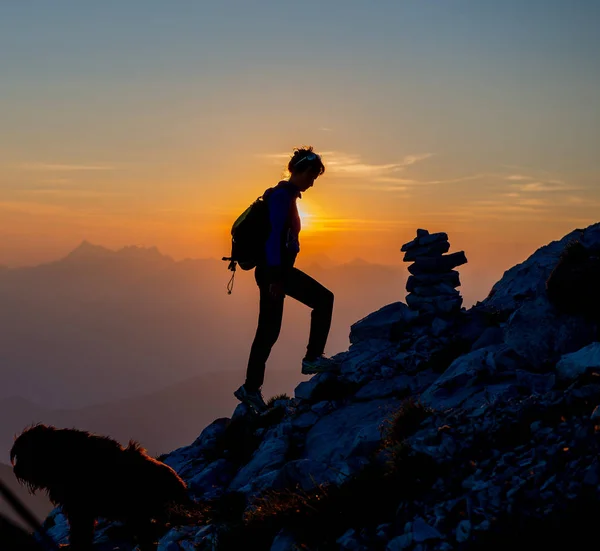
(321, 364)
(252, 398)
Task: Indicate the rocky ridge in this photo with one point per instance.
(476, 431)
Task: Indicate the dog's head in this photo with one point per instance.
(30, 456)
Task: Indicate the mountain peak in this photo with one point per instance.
(86, 251)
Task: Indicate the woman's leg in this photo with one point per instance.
(269, 325)
(310, 292)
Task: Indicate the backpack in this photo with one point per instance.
(248, 237)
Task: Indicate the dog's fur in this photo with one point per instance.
(93, 476)
(574, 284)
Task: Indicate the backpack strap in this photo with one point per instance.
(230, 282)
(232, 266)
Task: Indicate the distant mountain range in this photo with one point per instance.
(100, 325)
(136, 345)
(160, 420)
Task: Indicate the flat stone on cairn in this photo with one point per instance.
(432, 284)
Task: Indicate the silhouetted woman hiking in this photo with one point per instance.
(277, 278)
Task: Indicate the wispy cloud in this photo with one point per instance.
(353, 166)
(400, 181)
(415, 182)
(459, 179)
(34, 208)
(58, 186)
(541, 195)
(58, 167)
(534, 187)
(537, 183)
(533, 202)
(497, 209)
(519, 182)
(378, 187)
(530, 184)
(509, 187)
(56, 181)
(72, 192)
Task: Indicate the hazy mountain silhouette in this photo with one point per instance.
(160, 421)
(100, 325)
(134, 344)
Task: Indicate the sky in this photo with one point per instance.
(156, 123)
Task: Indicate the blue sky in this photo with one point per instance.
(514, 69)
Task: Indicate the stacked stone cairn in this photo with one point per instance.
(432, 284)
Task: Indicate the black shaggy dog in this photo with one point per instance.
(92, 476)
(574, 284)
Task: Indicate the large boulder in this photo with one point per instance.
(307, 389)
(537, 332)
(574, 284)
(586, 360)
(333, 437)
(377, 325)
(209, 437)
(269, 457)
(382, 388)
(478, 374)
(527, 280)
(211, 480)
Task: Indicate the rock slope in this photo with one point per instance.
(477, 431)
